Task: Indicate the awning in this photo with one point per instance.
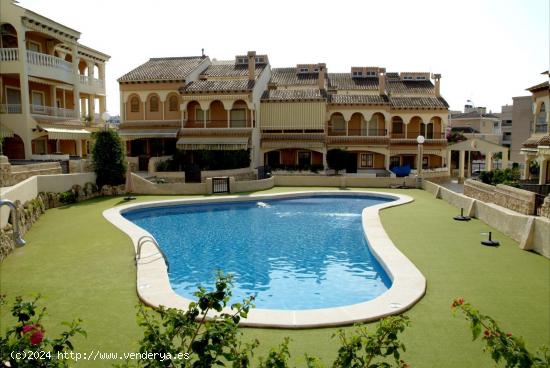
(129, 134)
(213, 143)
(66, 133)
(5, 132)
(291, 144)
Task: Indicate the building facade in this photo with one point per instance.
(287, 118)
(52, 88)
(521, 126)
(537, 146)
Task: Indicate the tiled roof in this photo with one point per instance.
(288, 76)
(238, 85)
(418, 102)
(345, 81)
(534, 142)
(422, 87)
(538, 87)
(296, 94)
(473, 115)
(358, 99)
(170, 68)
(230, 69)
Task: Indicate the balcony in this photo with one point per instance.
(357, 136)
(541, 125)
(9, 54)
(49, 66)
(53, 111)
(86, 81)
(10, 109)
(217, 124)
(410, 138)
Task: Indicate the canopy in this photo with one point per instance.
(66, 132)
(213, 143)
(129, 134)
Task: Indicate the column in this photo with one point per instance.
(489, 161)
(406, 130)
(25, 133)
(82, 105)
(228, 118)
(90, 65)
(57, 146)
(79, 147)
(53, 96)
(526, 165)
(204, 118)
(64, 98)
(504, 160)
(91, 107)
(162, 106)
(449, 168)
(543, 170)
(461, 166)
(387, 161)
(76, 84)
(103, 105)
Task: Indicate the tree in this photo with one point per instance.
(337, 159)
(108, 158)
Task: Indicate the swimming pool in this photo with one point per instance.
(291, 254)
(154, 285)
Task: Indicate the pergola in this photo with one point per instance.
(477, 145)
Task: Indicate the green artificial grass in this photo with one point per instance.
(84, 268)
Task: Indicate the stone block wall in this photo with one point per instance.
(545, 209)
(515, 199)
(13, 174)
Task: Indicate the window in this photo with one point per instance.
(421, 78)
(304, 70)
(541, 125)
(366, 160)
(38, 101)
(430, 131)
(371, 74)
(13, 96)
(154, 104)
(173, 103)
(34, 46)
(407, 78)
(242, 61)
(134, 104)
(395, 161)
(304, 158)
(397, 127)
(40, 146)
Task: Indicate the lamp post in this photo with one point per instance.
(420, 140)
(105, 117)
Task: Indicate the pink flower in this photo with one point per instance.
(27, 328)
(37, 337)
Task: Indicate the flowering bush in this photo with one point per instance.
(502, 345)
(26, 344)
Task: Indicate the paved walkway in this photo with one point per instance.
(453, 185)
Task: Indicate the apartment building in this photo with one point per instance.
(537, 146)
(476, 122)
(52, 88)
(286, 117)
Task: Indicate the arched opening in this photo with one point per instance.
(152, 107)
(337, 124)
(239, 116)
(218, 115)
(397, 127)
(8, 36)
(172, 107)
(357, 125)
(195, 115)
(376, 126)
(96, 71)
(133, 108)
(415, 127)
(83, 67)
(69, 58)
(435, 128)
(13, 148)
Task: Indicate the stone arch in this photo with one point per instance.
(397, 127)
(14, 147)
(83, 67)
(8, 38)
(415, 126)
(134, 107)
(152, 102)
(337, 124)
(217, 114)
(240, 114)
(356, 124)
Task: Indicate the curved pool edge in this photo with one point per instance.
(408, 283)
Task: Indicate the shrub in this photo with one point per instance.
(502, 345)
(108, 158)
(27, 343)
(337, 159)
(67, 197)
(507, 176)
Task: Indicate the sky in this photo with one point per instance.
(487, 51)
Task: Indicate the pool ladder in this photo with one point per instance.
(149, 239)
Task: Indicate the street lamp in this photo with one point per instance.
(105, 117)
(420, 140)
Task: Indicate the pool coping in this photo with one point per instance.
(408, 283)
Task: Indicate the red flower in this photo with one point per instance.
(508, 334)
(37, 337)
(487, 333)
(457, 302)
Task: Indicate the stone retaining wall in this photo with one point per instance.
(13, 174)
(515, 199)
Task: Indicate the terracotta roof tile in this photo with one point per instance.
(534, 142)
(539, 87)
(230, 69)
(358, 99)
(296, 94)
(163, 69)
(421, 87)
(345, 81)
(418, 102)
(235, 85)
(289, 77)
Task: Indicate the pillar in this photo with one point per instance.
(25, 133)
(82, 105)
(91, 107)
(489, 161)
(505, 160)
(204, 118)
(57, 146)
(90, 65)
(543, 171)
(449, 168)
(228, 117)
(526, 165)
(387, 161)
(462, 157)
(76, 84)
(79, 147)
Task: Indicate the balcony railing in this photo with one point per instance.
(541, 125)
(50, 61)
(9, 54)
(99, 83)
(83, 79)
(217, 124)
(358, 132)
(10, 109)
(414, 134)
(53, 111)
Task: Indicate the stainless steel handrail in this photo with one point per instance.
(148, 238)
(14, 212)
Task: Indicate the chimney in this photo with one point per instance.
(322, 76)
(382, 81)
(251, 65)
(437, 78)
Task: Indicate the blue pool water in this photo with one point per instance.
(299, 253)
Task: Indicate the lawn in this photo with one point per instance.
(84, 268)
